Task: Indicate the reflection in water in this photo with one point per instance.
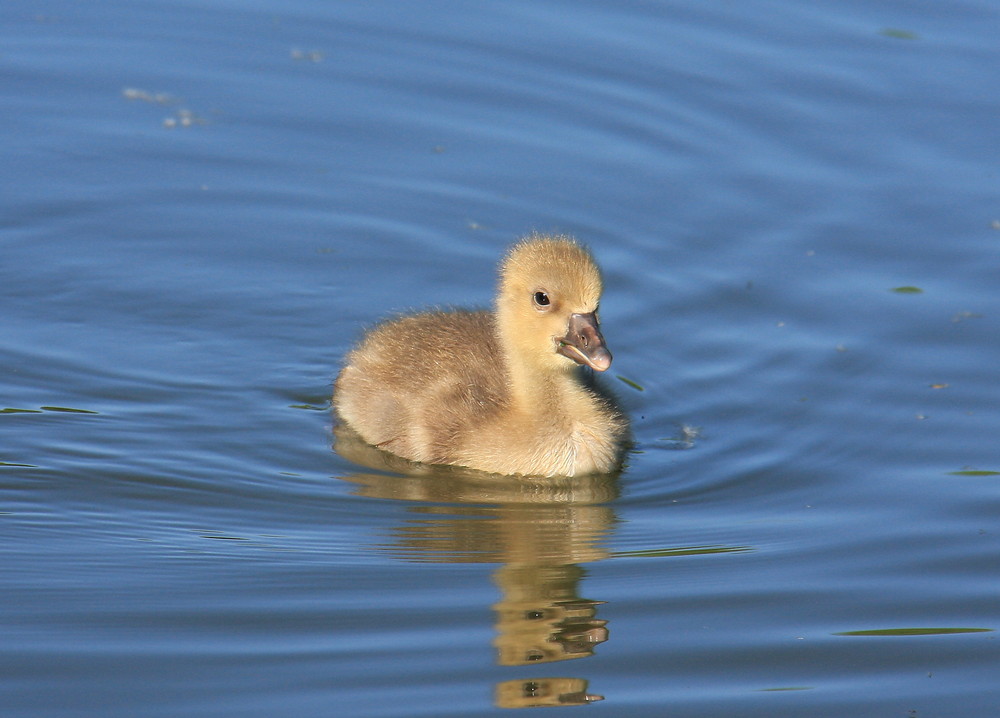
(539, 530)
(544, 692)
(541, 619)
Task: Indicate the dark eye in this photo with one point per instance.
(541, 299)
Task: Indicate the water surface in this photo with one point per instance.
(796, 210)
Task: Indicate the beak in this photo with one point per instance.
(583, 342)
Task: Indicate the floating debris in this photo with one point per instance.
(914, 632)
(180, 118)
(43, 409)
(184, 118)
(156, 98)
(686, 439)
(634, 385)
(898, 34)
(311, 407)
(67, 410)
(307, 55)
(907, 290)
(682, 551)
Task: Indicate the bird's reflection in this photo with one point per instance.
(538, 530)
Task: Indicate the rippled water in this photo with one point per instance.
(796, 208)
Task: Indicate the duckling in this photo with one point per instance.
(498, 391)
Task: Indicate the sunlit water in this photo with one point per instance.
(796, 208)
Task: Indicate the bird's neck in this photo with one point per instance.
(539, 385)
(544, 390)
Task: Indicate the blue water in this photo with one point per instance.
(796, 208)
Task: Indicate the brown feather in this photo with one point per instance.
(489, 390)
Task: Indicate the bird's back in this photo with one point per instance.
(416, 384)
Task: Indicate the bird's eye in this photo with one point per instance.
(541, 299)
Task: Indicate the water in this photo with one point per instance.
(204, 203)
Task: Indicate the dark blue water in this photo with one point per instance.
(796, 207)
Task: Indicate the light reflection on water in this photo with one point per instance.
(539, 539)
(539, 530)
